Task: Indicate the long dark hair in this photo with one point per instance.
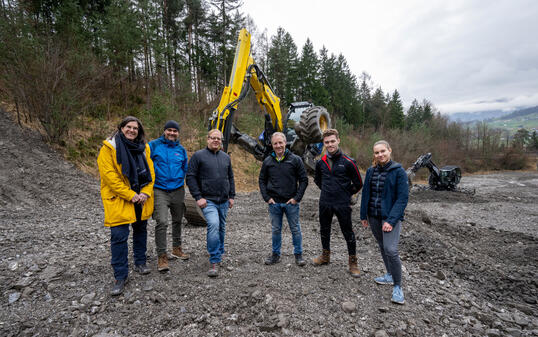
(141, 134)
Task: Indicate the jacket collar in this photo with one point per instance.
(168, 142)
(273, 154)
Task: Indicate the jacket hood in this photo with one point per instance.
(110, 142)
(168, 142)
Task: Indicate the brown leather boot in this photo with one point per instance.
(353, 268)
(324, 258)
(162, 262)
(178, 253)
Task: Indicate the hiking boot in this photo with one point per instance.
(272, 259)
(353, 268)
(142, 269)
(178, 253)
(162, 263)
(385, 279)
(118, 287)
(324, 258)
(299, 260)
(213, 271)
(397, 295)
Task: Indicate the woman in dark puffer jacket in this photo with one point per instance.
(383, 202)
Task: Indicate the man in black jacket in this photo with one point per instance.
(211, 183)
(338, 177)
(283, 181)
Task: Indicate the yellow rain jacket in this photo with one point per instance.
(116, 191)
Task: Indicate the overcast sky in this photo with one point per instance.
(461, 55)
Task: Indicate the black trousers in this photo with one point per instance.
(343, 214)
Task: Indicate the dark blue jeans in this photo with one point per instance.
(388, 245)
(215, 215)
(276, 212)
(119, 250)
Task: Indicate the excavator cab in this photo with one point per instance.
(293, 117)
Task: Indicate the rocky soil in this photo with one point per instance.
(470, 264)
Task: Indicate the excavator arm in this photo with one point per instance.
(245, 74)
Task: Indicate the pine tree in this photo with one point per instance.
(281, 65)
(414, 115)
(396, 111)
(379, 109)
(365, 97)
(308, 73)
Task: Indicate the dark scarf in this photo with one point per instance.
(130, 155)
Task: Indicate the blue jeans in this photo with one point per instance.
(276, 212)
(215, 215)
(388, 245)
(119, 250)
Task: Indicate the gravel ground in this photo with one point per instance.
(470, 264)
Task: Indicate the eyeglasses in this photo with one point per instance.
(214, 138)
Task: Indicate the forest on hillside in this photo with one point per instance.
(66, 64)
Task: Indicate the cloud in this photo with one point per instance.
(505, 104)
(454, 53)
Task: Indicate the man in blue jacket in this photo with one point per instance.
(170, 161)
(338, 177)
(211, 183)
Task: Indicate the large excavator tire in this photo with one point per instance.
(192, 212)
(313, 122)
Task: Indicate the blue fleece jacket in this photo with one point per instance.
(170, 161)
(394, 196)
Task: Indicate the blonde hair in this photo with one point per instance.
(212, 131)
(381, 142)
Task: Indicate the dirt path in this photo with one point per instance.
(470, 264)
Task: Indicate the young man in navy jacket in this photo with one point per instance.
(338, 177)
(170, 161)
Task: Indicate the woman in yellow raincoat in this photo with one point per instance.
(127, 178)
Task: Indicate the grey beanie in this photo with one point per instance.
(171, 124)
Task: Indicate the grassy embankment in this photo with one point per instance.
(81, 145)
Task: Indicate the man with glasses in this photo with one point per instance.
(211, 183)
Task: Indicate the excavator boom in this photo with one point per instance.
(244, 73)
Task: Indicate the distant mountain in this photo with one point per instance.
(520, 113)
(466, 117)
(524, 118)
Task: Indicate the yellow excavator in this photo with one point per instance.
(303, 124)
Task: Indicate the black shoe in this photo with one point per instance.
(274, 258)
(299, 260)
(142, 269)
(118, 287)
